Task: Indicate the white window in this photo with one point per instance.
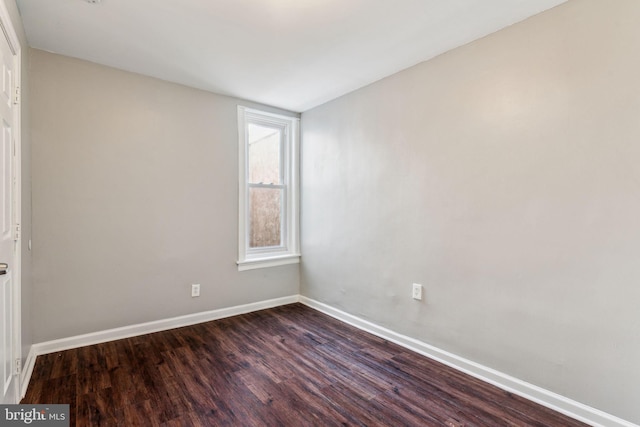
(268, 191)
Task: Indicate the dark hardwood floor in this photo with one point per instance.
(287, 366)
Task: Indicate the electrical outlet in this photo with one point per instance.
(417, 291)
(195, 290)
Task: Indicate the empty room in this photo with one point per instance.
(320, 212)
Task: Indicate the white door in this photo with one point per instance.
(8, 232)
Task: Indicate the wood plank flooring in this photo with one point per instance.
(287, 366)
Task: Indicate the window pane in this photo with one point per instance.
(264, 217)
(264, 154)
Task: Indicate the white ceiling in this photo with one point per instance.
(293, 54)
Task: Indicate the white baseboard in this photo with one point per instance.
(141, 329)
(506, 382)
(27, 370)
(156, 326)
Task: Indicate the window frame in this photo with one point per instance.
(289, 250)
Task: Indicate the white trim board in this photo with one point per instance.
(547, 398)
(8, 30)
(506, 382)
(141, 329)
(27, 370)
(157, 326)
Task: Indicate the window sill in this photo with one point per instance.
(275, 261)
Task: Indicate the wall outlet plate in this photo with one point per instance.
(195, 290)
(417, 291)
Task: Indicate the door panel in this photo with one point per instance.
(8, 245)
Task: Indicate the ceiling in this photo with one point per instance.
(292, 54)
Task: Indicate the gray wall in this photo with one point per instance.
(504, 177)
(134, 199)
(27, 339)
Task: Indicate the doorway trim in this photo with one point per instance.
(6, 24)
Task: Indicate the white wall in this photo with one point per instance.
(135, 197)
(504, 177)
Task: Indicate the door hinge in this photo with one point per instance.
(16, 236)
(16, 96)
(18, 366)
